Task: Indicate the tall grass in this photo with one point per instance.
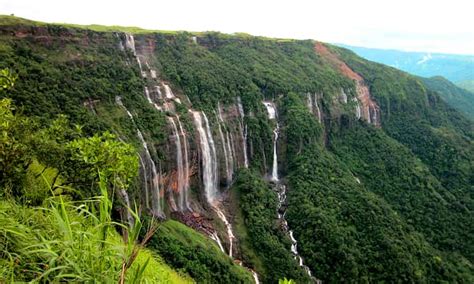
(69, 241)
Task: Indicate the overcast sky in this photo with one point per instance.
(416, 25)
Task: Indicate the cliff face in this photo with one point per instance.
(367, 108)
(206, 109)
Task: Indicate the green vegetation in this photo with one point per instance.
(65, 240)
(461, 98)
(189, 251)
(68, 241)
(6, 20)
(271, 258)
(467, 85)
(366, 204)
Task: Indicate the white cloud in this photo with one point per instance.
(425, 58)
(432, 26)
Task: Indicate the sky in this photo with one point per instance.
(412, 25)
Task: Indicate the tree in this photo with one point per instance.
(104, 156)
(7, 79)
(15, 151)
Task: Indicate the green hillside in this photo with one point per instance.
(378, 168)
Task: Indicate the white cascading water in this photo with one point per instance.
(145, 184)
(312, 103)
(158, 92)
(231, 158)
(124, 195)
(272, 115)
(130, 43)
(179, 165)
(209, 170)
(270, 109)
(280, 188)
(367, 111)
(147, 95)
(255, 277)
(155, 179)
(232, 147)
(230, 234)
(343, 96)
(316, 105)
(226, 155)
(226, 147)
(358, 109)
(215, 238)
(140, 66)
(275, 154)
(374, 117)
(281, 191)
(208, 156)
(149, 165)
(168, 93)
(309, 102)
(229, 149)
(243, 130)
(185, 204)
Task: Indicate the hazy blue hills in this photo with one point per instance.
(459, 69)
(455, 68)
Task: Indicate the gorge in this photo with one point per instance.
(260, 159)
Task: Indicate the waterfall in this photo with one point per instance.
(312, 104)
(158, 92)
(140, 66)
(148, 167)
(186, 166)
(232, 146)
(124, 195)
(209, 165)
(272, 115)
(281, 191)
(209, 176)
(270, 109)
(243, 130)
(145, 184)
(309, 102)
(316, 105)
(275, 154)
(215, 238)
(358, 109)
(280, 188)
(240, 107)
(226, 146)
(343, 96)
(208, 155)
(367, 110)
(244, 142)
(130, 43)
(147, 95)
(255, 276)
(231, 157)
(155, 184)
(374, 117)
(179, 166)
(230, 234)
(168, 92)
(226, 155)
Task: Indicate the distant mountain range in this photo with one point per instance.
(459, 69)
(456, 68)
